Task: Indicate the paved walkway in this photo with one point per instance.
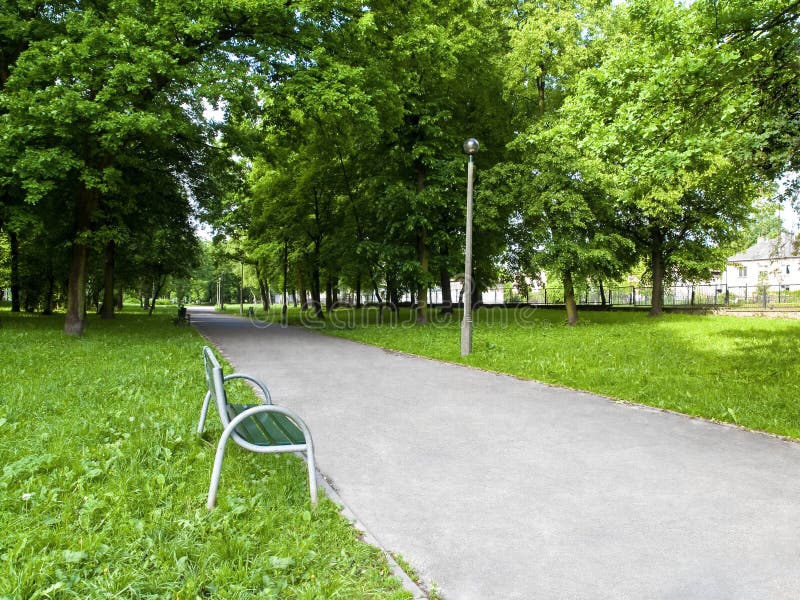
(497, 488)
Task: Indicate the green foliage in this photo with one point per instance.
(666, 121)
(358, 180)
(765, 222)
(103, 484)
(103, 117)
(611, 132)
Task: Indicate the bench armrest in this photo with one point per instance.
(258, 383)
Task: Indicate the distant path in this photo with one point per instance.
(499, 489)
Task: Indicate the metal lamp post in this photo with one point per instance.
(471, 148)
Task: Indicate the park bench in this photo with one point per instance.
(263, 428)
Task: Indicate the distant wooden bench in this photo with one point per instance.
(264, 428)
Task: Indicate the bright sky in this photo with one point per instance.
(791, 220)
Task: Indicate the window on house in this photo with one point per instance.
(742, 271)
(787, 269)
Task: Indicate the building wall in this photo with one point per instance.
(751, 273)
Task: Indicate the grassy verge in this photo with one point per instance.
(103, 485)
(733, 369)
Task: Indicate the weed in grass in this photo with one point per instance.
(432, 592)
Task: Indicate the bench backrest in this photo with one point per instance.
(215, 384)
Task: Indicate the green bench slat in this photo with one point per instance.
(266, 429)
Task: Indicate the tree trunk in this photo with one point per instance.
(120, 299)
(15, 287)
(447, 292)
(107, 312)
(76, 291)
(303, 291)
(85, 203)
(328, 294)
(285, 307)
(316, 285)
(358, 291)
(541, 87)
(569, 299)
(375, 290)
(240, 285)
(391, 292)
(477, 295)
(423, 256)
(657, 267)
(49, 291)
(602, 294)
(158, 283)
(294, 297)
(263, 287)
(316, 295)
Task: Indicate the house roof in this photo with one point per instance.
(785, 246)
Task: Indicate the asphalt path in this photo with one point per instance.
(493, 487)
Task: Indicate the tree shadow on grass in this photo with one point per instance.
(752, 378)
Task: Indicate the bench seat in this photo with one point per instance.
(266, 429)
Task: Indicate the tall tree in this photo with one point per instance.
(125, 81)
(564, 220)
(662, 118)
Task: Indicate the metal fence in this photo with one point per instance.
(759, 297)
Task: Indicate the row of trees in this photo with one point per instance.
(103, 142)
(611, 134)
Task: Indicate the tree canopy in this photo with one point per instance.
(612, 135)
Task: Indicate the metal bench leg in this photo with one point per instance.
(226, 434)
(312, 472)
(217, 470)
(203, 413)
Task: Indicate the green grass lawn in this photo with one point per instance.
(104, 482)
(734, 369)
